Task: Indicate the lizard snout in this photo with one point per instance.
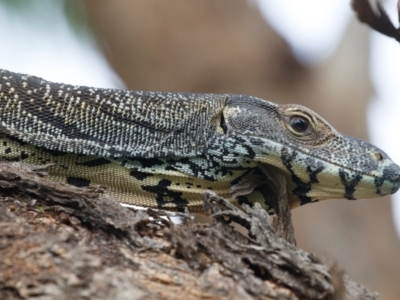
(392, 173)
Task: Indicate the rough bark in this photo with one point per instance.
(62, 242)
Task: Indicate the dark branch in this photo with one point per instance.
(376, 19)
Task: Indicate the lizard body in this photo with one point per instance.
(163, 149)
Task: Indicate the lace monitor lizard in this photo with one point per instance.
(163, 150)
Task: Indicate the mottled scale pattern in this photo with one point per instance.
(106, 122)
(159, 149)
(141, 182)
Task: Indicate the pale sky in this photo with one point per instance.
(312, 27)
(46, 46)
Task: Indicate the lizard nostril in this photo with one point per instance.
(377, 156)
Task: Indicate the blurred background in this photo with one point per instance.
(309, 52)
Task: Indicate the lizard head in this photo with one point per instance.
(318, 162)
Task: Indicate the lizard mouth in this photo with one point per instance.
(386, 168)
(338, 182)
(312, 177)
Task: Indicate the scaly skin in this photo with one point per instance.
(163, 149)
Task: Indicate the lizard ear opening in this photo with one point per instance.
(222, 124)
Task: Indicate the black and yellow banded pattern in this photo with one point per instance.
(164, 149)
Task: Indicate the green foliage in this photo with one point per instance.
(72, 9)
(75, 13)
(18, 4)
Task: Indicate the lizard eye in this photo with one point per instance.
(303, 125)
(299, 124)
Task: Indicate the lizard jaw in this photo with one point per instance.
(348, 185)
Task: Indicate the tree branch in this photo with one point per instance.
(378, 20)
(62, 242)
